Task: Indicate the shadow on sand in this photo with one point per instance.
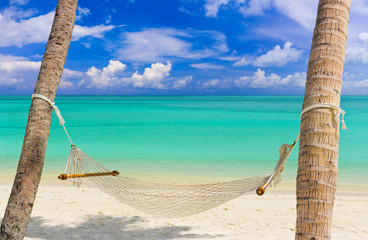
(107, 227)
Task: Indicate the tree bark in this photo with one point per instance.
(319, 133)
(19, 208)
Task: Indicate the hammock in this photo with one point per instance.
(165, 200)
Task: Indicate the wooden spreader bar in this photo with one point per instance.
(65, 176)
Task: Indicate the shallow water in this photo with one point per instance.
(212, 137)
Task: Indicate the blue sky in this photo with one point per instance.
(177, 46)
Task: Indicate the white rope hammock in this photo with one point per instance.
(165, 200)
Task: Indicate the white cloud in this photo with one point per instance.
(275, 57)
(82, 12)
(303, 12)
(22, 73)
(19, 2)
(12, 64)
(357, 51)
(17, 70)
(65, 84)
(244, 61)
(204, 66)
(13, 12)
(278, 56)
(355, 87)
(152, 77)
(157, 44)
(181, 83)
(212, 7)
(17, 30)
(357, 45)
(210, 84)
(229, 58)
(247, 8)
(259, 80)
(67, 73)
(355, 84)
(107, 77)
(95, 31)
(294, 80)
(357, 21)
(363, 36)
(255, 7)
(19, 33)
(114, 76)
(151, 44)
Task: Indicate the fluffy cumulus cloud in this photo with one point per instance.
(157, 44)
(275, 57)
(18, 28)
(152, 77)
(107, 77)
(114, 76)
(21, 32)
(21, 72)
(259, 80)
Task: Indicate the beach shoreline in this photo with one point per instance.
(62, 211)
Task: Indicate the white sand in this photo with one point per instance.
(64, 212)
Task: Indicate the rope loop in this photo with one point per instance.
(332, 107)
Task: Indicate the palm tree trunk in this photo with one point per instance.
(19, 208)
(319, 138)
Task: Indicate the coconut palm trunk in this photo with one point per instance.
(19, 208)
(319, 139)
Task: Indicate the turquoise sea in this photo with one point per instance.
(182, 137)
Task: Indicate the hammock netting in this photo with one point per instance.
(166, 200)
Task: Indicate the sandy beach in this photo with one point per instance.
(62, 211)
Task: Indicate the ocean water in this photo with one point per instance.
(189, 137)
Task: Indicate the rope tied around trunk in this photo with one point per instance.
(332, 107)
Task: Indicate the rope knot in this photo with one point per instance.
(332, 107)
